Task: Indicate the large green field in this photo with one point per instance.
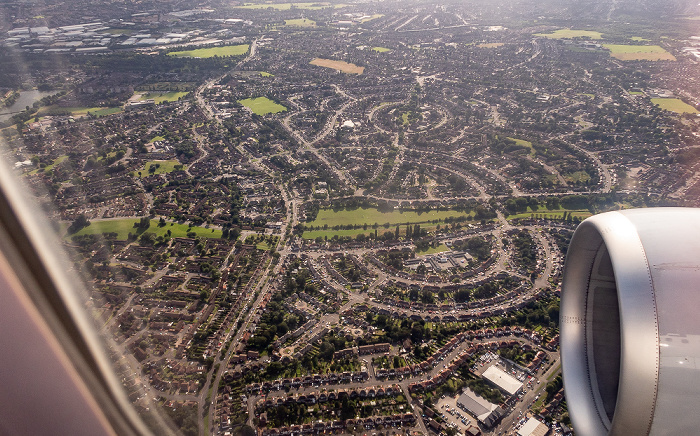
(77, 110)
(300, 22)
(370, 216)
(162, 167)
(639, 52)
(227, 50)
(161, 97)
(262, 105)
(381, 49)
(123, 226)
(674, 105)
(569, 33)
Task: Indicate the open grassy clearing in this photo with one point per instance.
(161, 167)
(156, 138)
(123, 226)
(523, 143)
(570, 33)
(432, 250)
(639, 52)
(490, 45)
(203, 53)
(636, 93)
(300, 22)
(370, 216)
(345, 67)
(287, 6)
(674, 105)
(162, 97)
(578, 176)
(381, 49)
(262, 105)
(265, 74)
(49, 167)
(76, 110)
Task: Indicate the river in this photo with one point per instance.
(26, 98)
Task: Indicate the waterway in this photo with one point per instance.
(26, 98)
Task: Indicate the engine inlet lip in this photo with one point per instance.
(639, 336)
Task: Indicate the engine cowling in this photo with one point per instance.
(630, 323)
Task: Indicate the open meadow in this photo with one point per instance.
(123, 226)
(674, 105)
(639, 52)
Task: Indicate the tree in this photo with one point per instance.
(80, 222)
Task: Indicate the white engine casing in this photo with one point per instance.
(630, 323)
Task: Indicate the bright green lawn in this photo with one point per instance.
(371, 216)
(569, 33)
(165, 166)
(381, 49)
(262, 105)
(124, 226)
(226, 50)
(265, 74)
(161, 97)
(674, 105)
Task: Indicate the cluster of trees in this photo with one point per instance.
(543, 312)
(525, 249)
(477, 246)
(400, 330)
(276, 321)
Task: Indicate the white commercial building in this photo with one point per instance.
(505, 382)
(533, 427)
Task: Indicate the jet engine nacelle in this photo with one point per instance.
(630, 323)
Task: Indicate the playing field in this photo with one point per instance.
(639, 52)
(123, 226)
(370, 216)
(381, 49)
(161, 97)
(262, 105)
(345, 67)
(162, 167)
(674, 105)
(300, 22)
(227, 50)
(569, 33)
